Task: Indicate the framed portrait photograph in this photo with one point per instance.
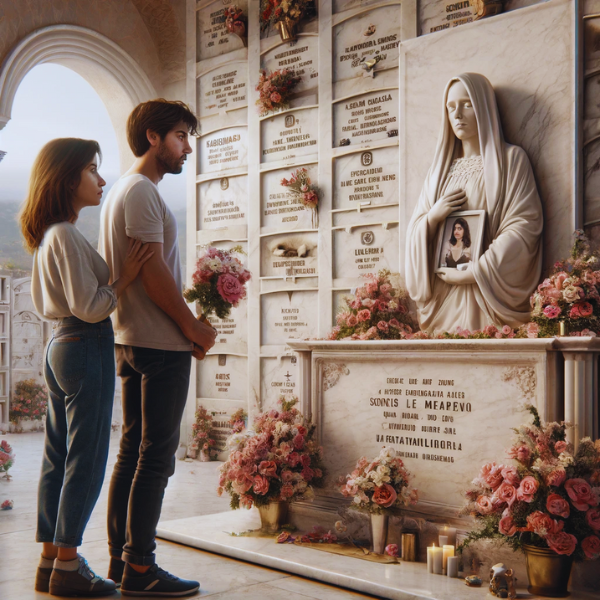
(460, 240)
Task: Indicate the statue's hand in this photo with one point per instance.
(446, 205)
(456, 277)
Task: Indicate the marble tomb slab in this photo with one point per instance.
(223, 202)
(286, 315)
(366, 118)
(289, 254)
(222, 150)
(232, 332)
(223, 376)
(223, 89)
(289, 135)
(279, 377)
(280, 210)
(212, 36)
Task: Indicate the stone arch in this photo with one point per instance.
(116, 77)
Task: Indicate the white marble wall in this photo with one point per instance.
(279, 377)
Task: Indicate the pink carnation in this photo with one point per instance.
(521, 453)
(287, 491)
(230, 289)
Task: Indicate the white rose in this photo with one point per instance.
(571, 293)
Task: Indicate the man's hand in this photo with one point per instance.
(456, 277)
(198, 353)
(203, 336)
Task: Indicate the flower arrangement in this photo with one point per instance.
(378, 311)
(7, 505)
(279, 461)
(548, 499)
(379, 485)
(7, 458)
(237, 421)
(318, 535)
(304, 192)
(275, 11)
(275, 89)
(570, 294)
(219, 282)
(30, 401)
(235, 20)
(201, 432)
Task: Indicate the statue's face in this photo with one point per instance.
(461, 113)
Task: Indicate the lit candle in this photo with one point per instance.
(447, 552)
(437, 559)
(452, 568)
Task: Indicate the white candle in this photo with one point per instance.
(447, 552)
(443, 539)
(452, 568)
(430, 558)
(450, 534)
(437, 560)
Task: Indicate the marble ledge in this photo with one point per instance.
(564, 344)
(404, 581)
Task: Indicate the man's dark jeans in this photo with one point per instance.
(155, 387)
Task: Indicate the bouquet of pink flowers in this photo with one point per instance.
(219, 282)
(275, 89)
(6, 458)
(279, 461)
(30, 401)
(378, 311)
(235, 20)
(237, 421)
(202, 432)
(273, 11)
(304, 192)
(570, 294)
(548, 499)
(379, 485)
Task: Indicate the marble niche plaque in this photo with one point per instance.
(279, 377)
(223, 202)
(366, 118)
(289, 255)
(340, 5)
(232, 332)
(437, 16)
(288, 315)
(376, 32)
(445, 417)
(223, 89)
(223, 149)
(289, 135)
(302, 58)
(280, 210)
(223, 376)
(212, 35)
(365, 250)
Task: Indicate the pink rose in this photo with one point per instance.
(394, 323)
(574, 312)
(543, 524)
(557, 505)
(352, 321)
(506, 493)
(293, 459)
(592, 518)
(591, 547)
(491, 473)
(562, 543)
(391, 550)
(230, 289)
(268, 468)
(511, 475)
(275, 97)
(364, 315)
(581, 494)
(585, 309)
(556, 477)
(384, 495)
(560, 447)
(383, 326)
(506, 526)
(552, 311)
(261, 485)
(559, 279)
(527, 489)
(484, 505)
(287, 491)
(507, 329)
(287, 476)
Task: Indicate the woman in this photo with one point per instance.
(458, 251)
(475, 169)
(70, 286)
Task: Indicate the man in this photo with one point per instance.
(156, 336)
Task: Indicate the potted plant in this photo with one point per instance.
(279, 461)
(236, 22)
(284, 15)
(304, 192)
(546, 504)
(7, 459)
(201, 435)
(238, 421)
(379, 487)
(29, 404)
(275, 89)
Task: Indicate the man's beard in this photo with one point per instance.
(168, 162)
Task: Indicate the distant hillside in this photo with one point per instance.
(14, 256)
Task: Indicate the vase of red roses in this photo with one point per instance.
(545, 505)
(379, 487)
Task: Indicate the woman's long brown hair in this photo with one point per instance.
(55, 175)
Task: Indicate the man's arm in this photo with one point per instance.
(162, 290)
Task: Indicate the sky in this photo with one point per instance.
(53, 101)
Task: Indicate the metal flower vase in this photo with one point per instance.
(273, 516)
(287, 29)
(548, 572)
(379, 527)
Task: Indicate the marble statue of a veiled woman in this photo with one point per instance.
(475, 169)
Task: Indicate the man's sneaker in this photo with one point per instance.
(42, 576)
(155, 582)
(115, 569)
(75, 578)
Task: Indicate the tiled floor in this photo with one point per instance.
(191, 492)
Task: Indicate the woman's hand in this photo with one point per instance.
(137, 254)
(445, 206)
(456, 277)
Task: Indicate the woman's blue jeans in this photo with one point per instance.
(80, 374)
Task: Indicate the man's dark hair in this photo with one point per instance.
(160, 116)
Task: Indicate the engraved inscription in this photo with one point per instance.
(223, 149)
(212, 35)
(301, 58)
(289, 136)
(222, 89)
(223, 203)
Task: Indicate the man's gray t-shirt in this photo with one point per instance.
(134, 208)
